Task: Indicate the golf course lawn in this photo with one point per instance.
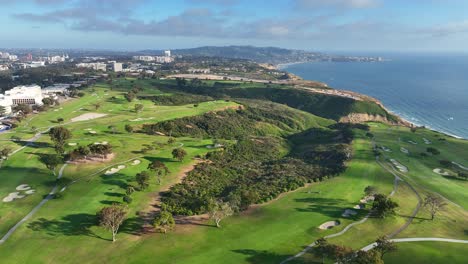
(65, 229)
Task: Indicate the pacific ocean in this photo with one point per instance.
(429, 90)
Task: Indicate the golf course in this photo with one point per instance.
(49, 214)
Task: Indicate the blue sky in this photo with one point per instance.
(325, 25)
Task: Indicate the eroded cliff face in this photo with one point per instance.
(356, 118)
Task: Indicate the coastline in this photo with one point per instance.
(407, 119)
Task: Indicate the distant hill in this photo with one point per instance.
(258, 54)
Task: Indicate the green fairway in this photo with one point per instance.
(65, 229)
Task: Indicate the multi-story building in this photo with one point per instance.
(116, 66)
(98, 66)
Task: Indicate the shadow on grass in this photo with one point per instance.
(114, 194)
(263, 256)
(70, 225)
(326, 206)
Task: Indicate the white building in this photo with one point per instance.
(30, 95)
(4, 68)
(116, 66)
(98, 66)
(167, 53)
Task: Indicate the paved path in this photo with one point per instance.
(35, 209)
(418, 239)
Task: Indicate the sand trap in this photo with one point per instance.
(56, 110)
(359, 206)
(460, 166)
(412, 142)
(159, 134)
(427, 141)
(115, 170)
(348, 213)
(92, 132)
(72, 144)
(101, 143)
(404, 150)
(441, 172)
(87, 116)
(329, 224)
(30, 191)
(399, 166)
(88, 129)
(386, 149)
(136, 162)
(12, 196)
(23, 187)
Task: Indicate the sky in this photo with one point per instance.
(316, 25)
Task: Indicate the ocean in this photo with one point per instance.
(427, 90)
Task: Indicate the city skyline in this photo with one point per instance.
(347, 25)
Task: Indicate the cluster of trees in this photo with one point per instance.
(449, 165)
(383, 205)
(178, 99)
(345, 255)
(92, 150)
(5, 152)
(433, 151)
(132, 94)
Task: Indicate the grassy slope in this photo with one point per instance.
(16, 171)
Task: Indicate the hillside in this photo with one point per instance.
(258, 54)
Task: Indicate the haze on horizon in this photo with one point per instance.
(355, 25)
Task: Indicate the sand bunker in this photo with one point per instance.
(329, 224)
(399, 166)
(87, 116)
(348, 213)
(23, 187)
(427, 141)
(136, 162)
(12, 196)
(441, 172)
(386, 149)
(72, 144)
(30, 191)
(88, 129)
(404, 150)
(92, 132)
(459, 165)
(412, 142)
(101, 143)
(115, 170)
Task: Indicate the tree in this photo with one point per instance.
(322, 249)
(100, 149)
(164, 221)
(159, 168)
(60, 120)
(367, 257)
(5, 152)
(130, 96)
(171, 141)
(139, 108)
(434, 204)
(220, 210)
(142, 179)
(433, 151)
(385, 246)
(111, 218)
(179, 154)
(59, 135)
(22, 109)
(370, 190)
(130, 190)
(51, 161)
(127, 199)
(129, 128)
(383, 205)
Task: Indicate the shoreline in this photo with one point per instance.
(284, 67)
